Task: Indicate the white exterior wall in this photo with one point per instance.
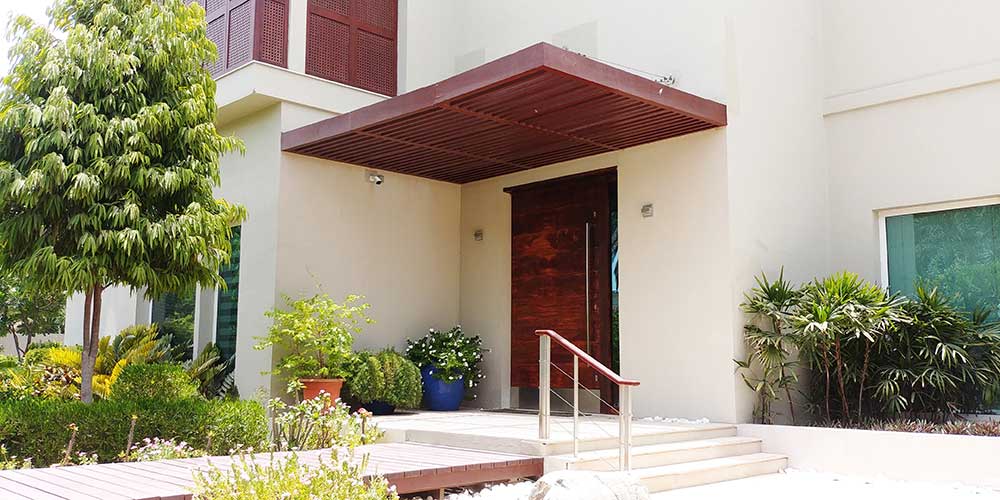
(252, 180)
(910, 114)
(120, 309)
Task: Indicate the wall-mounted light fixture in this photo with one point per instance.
(647, 210)
(376, 178)
(478, 235)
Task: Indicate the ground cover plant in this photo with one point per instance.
(870, 356)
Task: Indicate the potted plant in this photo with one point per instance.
(449, 365)
(314, 336)
(385, 381)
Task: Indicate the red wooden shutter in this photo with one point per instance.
(272, 32)
(353, 42)
(245, 30)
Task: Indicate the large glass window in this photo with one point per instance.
(173, 313)
(225, 326)
(957, 251)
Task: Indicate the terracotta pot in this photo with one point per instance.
(312, 387)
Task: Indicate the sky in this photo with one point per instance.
(33, 8)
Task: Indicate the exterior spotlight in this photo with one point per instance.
(376, 179)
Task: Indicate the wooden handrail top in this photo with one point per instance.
(587, 358)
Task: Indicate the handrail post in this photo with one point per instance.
(576, 406)
(544, 381)
(625, 428)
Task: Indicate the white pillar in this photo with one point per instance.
(298, 12)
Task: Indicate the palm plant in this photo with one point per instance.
(839, 320)
(769, 304)
(941, 361)
(213, 374)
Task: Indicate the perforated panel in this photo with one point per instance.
(327, 43)
(214, 5)
(273, 36)
(341, 7)
(376, 63)
(240, 35)
(217, 31)
(377, 13)
(354, 42)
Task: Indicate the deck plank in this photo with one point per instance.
(410, 467)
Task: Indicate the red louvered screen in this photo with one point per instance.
(353, 42)
(245, 30)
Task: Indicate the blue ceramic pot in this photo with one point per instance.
(440, 395)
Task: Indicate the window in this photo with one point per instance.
(954, 248)
(353, 42)
(173, 313)
(228, 300)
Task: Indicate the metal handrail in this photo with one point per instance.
(545, 338)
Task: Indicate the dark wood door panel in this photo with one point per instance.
(549, 282)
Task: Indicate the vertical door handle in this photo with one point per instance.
(586, 276)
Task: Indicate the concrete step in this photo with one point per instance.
(716, 470)
(591, 439)
(659, 454)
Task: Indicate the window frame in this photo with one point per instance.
(943, 206)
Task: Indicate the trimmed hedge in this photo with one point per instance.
(39, 428)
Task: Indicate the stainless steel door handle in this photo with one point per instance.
(586, 277)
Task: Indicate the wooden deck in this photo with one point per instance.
(410, 467)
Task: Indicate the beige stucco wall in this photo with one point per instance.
(396, 244)
(675, 285)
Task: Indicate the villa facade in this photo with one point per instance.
(618, 172)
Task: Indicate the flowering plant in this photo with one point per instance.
(161, 449)
(318, 423)
(452, 354)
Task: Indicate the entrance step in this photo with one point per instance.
(658, 455)
(592, 438)
(717, 470)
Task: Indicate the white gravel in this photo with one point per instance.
(821, 486)
(791, 484)
(669, 420)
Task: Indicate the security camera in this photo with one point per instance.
(376, 179)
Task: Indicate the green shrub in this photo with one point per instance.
(162, 382)
(332, 479)
(39, 428)
(315, 334)
(8, 362)
(386, 377)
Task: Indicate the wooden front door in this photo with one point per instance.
(559, 280)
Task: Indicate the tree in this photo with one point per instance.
(27, 310)
(109, 154)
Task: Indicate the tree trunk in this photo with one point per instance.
(826, 370)
(86, 368)
(864, 376)
(840, 378)
(17, 345)
(92, 336)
